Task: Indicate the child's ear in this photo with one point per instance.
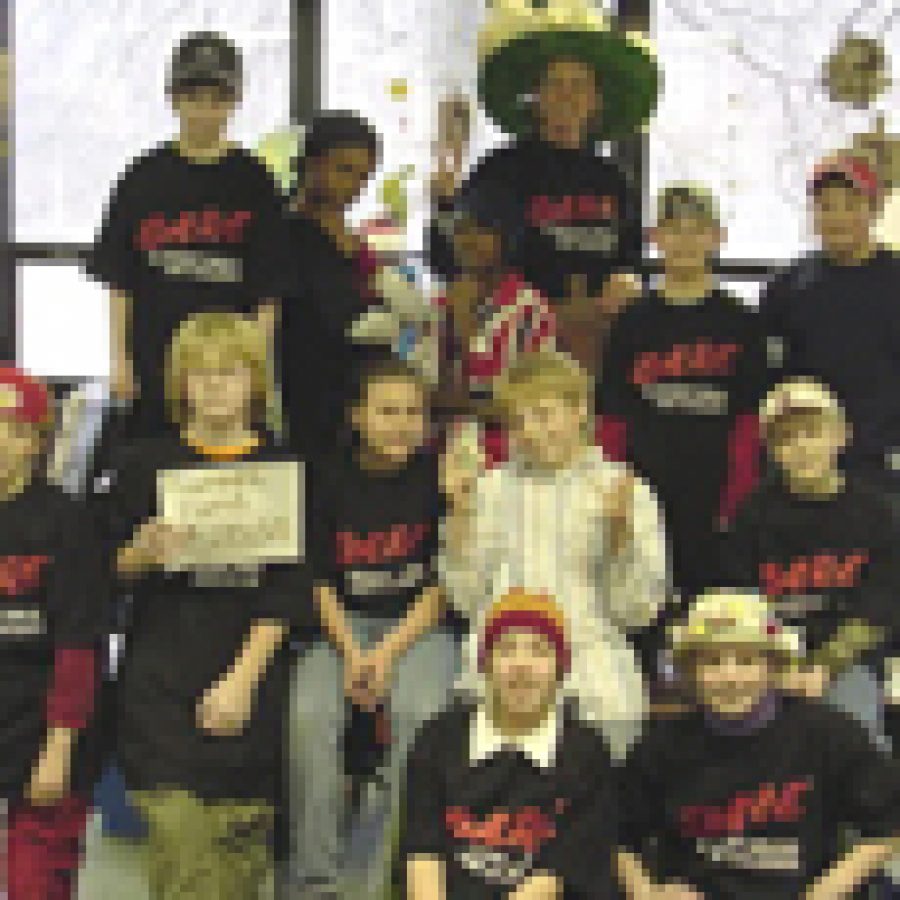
(354, 416)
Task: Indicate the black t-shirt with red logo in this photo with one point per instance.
(374, 534)
(570, 211)
(820, 561)
(185, 631)
(499, 821)
(53, 593)
(679, 375)
(755, 816)
(182, 236)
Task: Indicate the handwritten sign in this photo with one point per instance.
(242, 514)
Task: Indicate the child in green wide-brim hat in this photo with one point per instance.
(519, 44)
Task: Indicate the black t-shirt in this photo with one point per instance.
(573, 211)
(821, 561)
(185, 632)
(53, 593)
(497, 822)
(679, 375)
(842, 324)
(755, 816)
(374, 534)
(180, 237)
(324, 293)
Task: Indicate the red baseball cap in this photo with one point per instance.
(852, 169)
(23, 397)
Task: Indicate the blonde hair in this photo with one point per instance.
(541, 373)
(229, 337)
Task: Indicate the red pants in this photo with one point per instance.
(43, 845)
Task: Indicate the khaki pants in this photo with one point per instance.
(204, 849)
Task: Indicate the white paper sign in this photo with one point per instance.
(239, 514)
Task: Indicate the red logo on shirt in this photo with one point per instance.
(378, 547)
(21, 574)
(208, 226)
(544, 210)
(525, 829)
(821, 571)
(683, 360)
(768, 803)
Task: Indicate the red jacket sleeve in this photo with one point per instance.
(743, 464)
(70, 700)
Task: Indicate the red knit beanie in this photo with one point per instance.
(520, 609)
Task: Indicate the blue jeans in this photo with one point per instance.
(321, 863)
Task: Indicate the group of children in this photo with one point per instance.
(503, 575)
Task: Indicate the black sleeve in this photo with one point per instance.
(880, 586)
(320, 524)
(123, 497)
(784, 342)
(631, 229)
(581, 855)
(641, 793)
(422, 817)
(614, 392)
(113, 258)
(737, 562)
(78, 588)
(329, 285)
(270, 274)
(865, 779)
(286, 595)
(753, 373)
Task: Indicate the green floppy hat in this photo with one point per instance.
(628, 77)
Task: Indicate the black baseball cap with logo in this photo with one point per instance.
(205, 59)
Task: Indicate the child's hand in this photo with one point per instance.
(355, 677)
(158, 543)
(49, 777)
(460, 468)
(377, 670)
(620, 289)
(224, 709)
(808, 681)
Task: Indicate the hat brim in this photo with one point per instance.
(699, 643)
(628, 78)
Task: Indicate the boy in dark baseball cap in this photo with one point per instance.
(183, 224)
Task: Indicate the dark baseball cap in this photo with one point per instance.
(205, 59)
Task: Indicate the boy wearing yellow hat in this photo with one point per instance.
(511, 795)
(819, 543)
(746, 795)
